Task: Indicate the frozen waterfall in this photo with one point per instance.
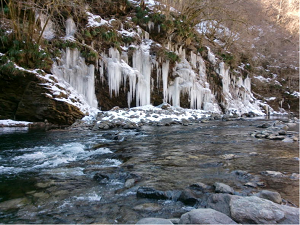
(73, 69)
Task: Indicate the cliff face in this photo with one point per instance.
(126, 58)
(25, 97)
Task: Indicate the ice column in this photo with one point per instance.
(142, 62)
(73, 69)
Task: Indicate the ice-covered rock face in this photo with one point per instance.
(73, 69)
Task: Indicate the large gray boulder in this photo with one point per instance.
(205, 216)
(151, 220)
(261, 211)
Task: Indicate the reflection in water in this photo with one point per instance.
(51, 174)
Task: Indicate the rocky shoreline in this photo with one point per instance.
(221, 204)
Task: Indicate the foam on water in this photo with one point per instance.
(49, 157)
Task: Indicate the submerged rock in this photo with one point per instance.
(148, 192)
(148, 207)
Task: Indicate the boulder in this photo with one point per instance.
(270, 195)
(205, 216)
(148, 192)
(261, 211)
(154, 221)
(220, 202)
(188, 197)
(223, 188)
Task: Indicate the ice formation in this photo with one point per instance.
(116, 69)
(73, 69)
(47, 25)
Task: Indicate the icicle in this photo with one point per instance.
(70, 27)
(165, 73)
(142, 63)
(74, 70)
(211, 56)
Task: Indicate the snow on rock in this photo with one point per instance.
(12, 123)
(150, 114)
(95, 20)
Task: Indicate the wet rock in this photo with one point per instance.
(261, 211)
(130, 125)
(129, 183)
(261, 184)
(295, 176)
(200, 187)
(148, 207)
(270, 195)
(276, 137)
(264, 125)
(205, 216)
(228, 156)
(242, 174)
(166, 121)
(148, 192)
(13, 204)
(154, 221)
(100, 177)
(223, 188)
(188, 197)
(272, 173)
(250, 184)
(185, 122)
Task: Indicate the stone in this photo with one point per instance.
(13, 204)
(261, 211)
(175, 220)
(205, 216)
(148, 207)
(228, 156)
(250, 184)
(220, 202)
(270, 195)
(148, 192)
(264, 125)
(129, 183)
(188, 197)
(200, 187)
(276, 137)
(185, 122)
(273, 173)
(151, 220)
(100, 177)
(223, 188)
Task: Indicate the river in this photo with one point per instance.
(63, 176)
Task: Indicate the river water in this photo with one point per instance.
(50, 176)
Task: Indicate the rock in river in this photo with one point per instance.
(205, 216)
(154, 221)
(270, 195)
(261, 211)
(223, 188)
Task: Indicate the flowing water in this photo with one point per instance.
(49, 177)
